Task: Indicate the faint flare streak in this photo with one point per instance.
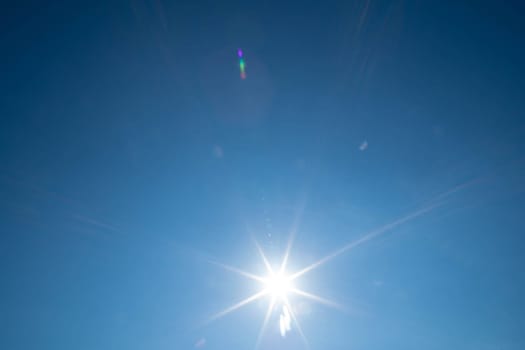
(239, 271)
(284, 321)
(296, 322)
(457, 188)
(317, 298)
(365, 238)
(265, 260)
(265, 322)
(295, 226)
(288, 314)
(239, 305)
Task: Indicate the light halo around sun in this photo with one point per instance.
(278, 286)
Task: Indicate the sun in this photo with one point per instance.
(278, 285)
(279, 288)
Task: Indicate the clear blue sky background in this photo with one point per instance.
(132, 153)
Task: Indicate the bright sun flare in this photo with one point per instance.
(278, 285)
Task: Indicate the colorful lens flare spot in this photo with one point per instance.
(242, 65)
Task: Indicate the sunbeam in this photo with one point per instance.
(265, 322)
(239, 305)
(293, 232)
(239, 271)
(373, 234)
(278, 285)
(287, 253)
(296, 322)
(317, 298)
(265, 260)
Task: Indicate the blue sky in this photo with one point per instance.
(132, 155)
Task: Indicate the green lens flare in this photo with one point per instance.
(242, 65)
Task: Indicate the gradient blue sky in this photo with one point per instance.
(132, 154)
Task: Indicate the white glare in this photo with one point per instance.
(278, 285)
(284, 321)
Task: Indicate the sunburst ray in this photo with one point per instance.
(293, 231)
(265, 322)
(265, 260)
(296, 322)
(317, 298)
(239, 305)
(278, 284)
(373, 234)
(239, 271)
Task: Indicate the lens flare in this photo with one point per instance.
(279, 286)
(242, 65)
